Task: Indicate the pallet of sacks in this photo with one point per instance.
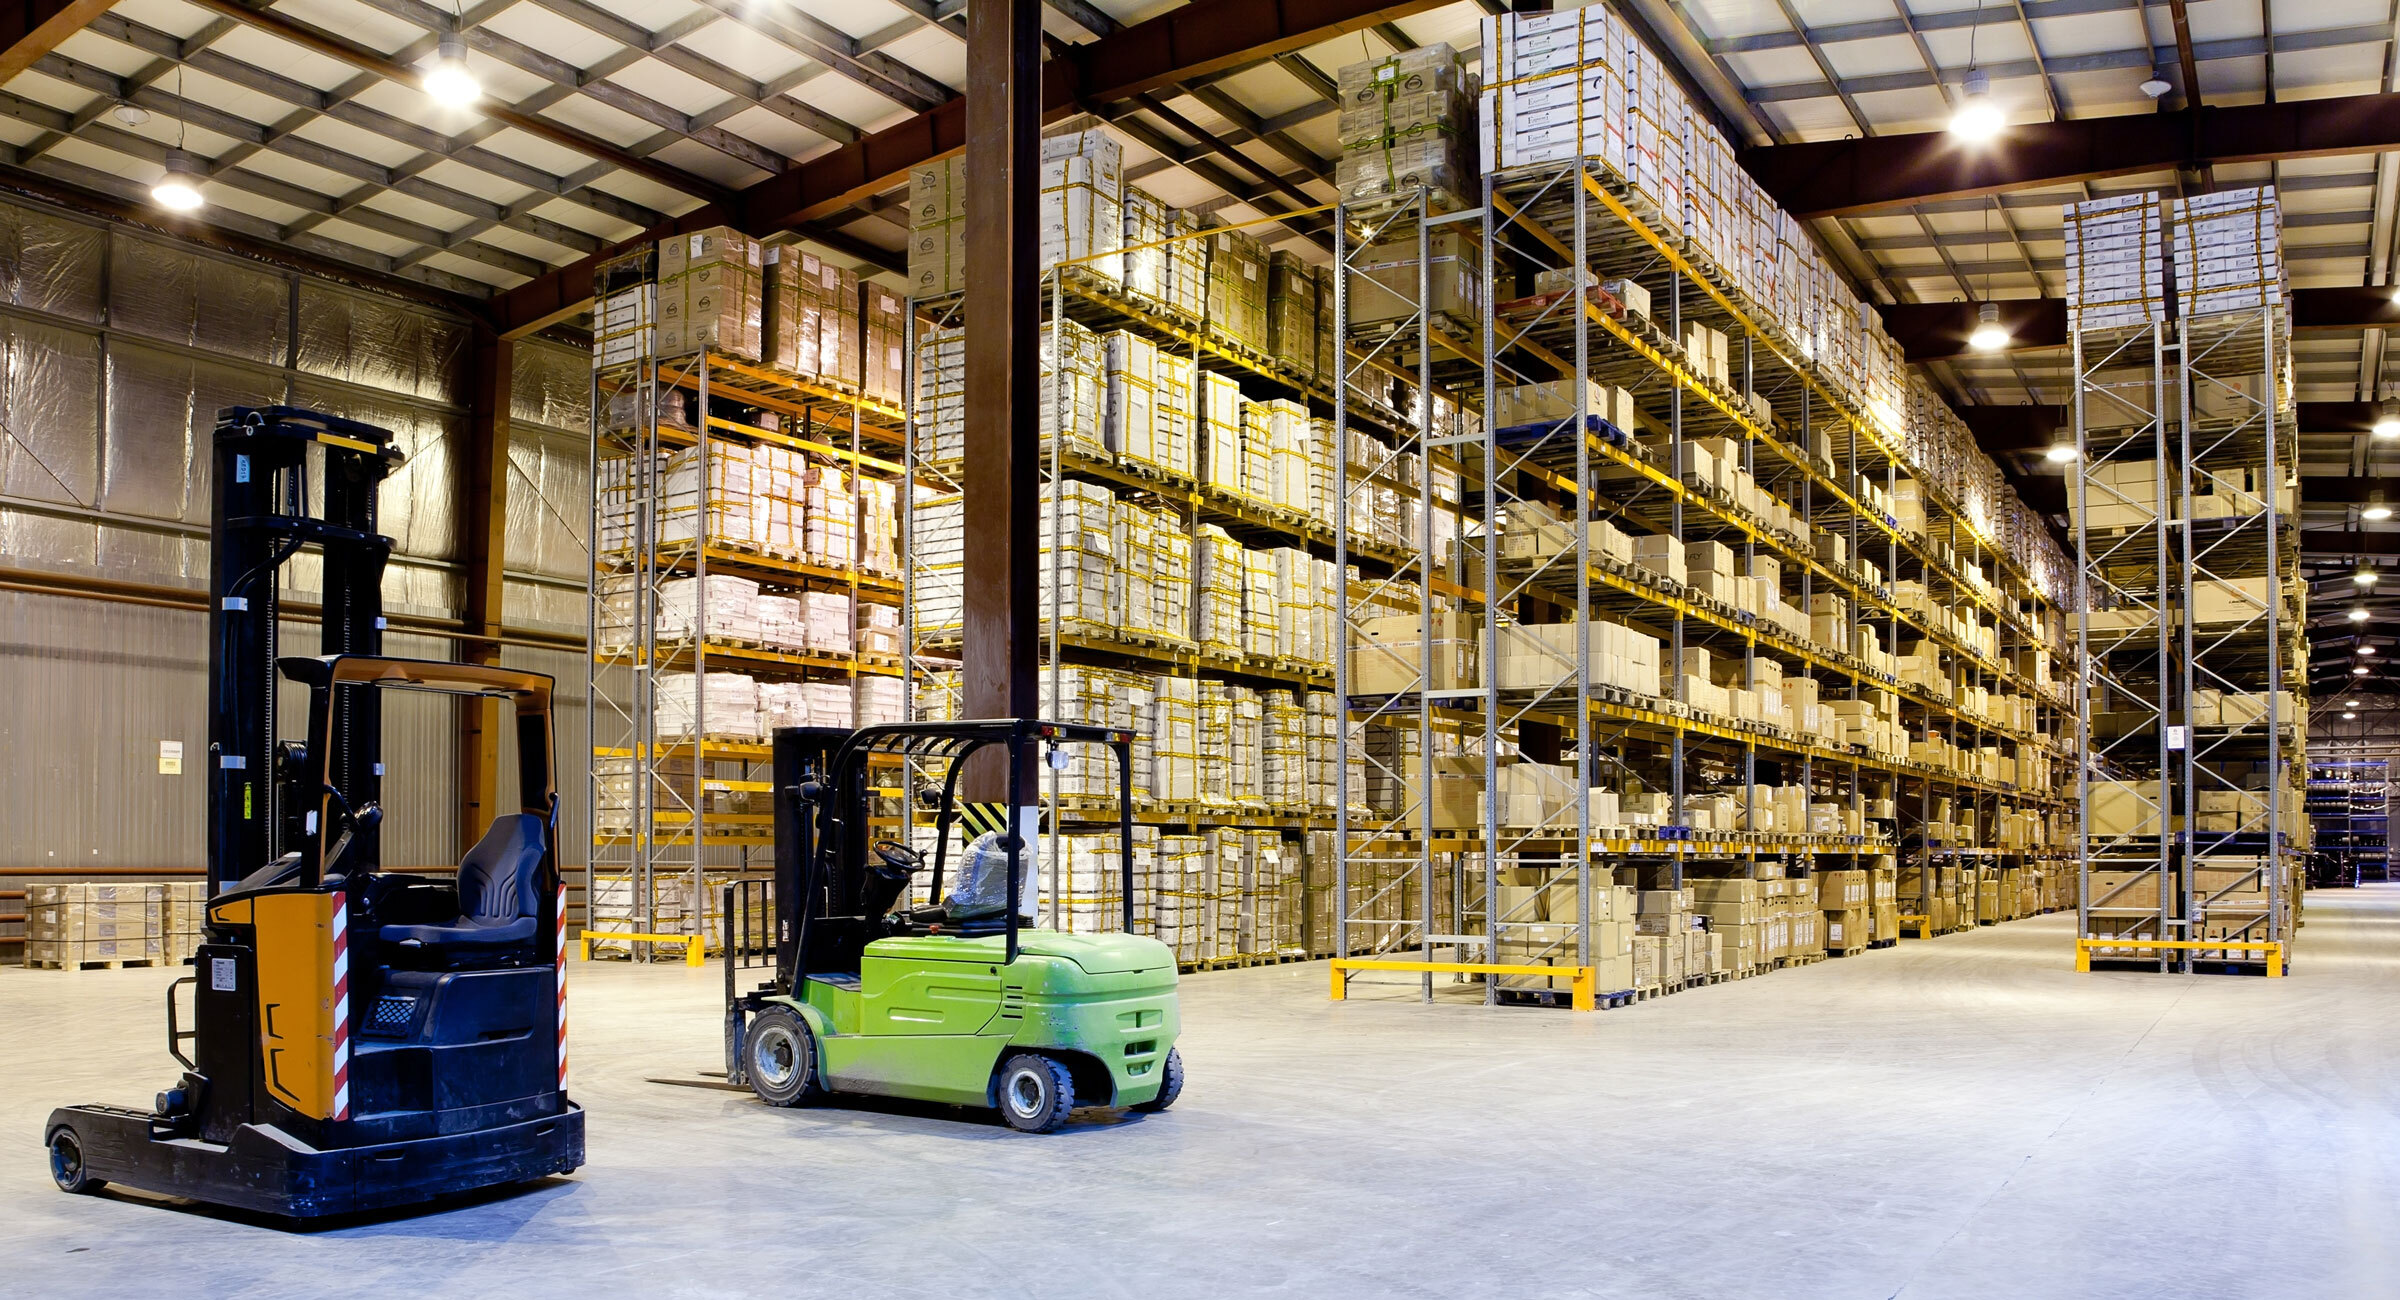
(90, 926)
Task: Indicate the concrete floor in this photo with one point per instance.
(1966, 1117)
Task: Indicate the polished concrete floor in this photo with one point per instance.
(1965, 1117)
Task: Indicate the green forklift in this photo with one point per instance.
(962, 1001)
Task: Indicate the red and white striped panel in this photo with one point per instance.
(560, 964)
(341, 1005)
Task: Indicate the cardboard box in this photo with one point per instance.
(1388, 657)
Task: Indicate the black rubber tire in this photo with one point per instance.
(779, 1056)
(1035, 1093)
(1169, 1090)
(66, 1165)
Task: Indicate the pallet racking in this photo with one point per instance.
(680, 806)
(1546, 506)
(2349, 812)
(1259, 898)
(2193, 707)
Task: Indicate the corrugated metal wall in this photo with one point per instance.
(116, 351)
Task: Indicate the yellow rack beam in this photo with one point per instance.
(693, 952)
(2273, 949)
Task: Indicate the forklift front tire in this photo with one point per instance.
(780, 1057)
(1036, 1093)
(66, 1165)
(1169, 1088)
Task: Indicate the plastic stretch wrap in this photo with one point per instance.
(51, 447)
(982, 888)
(38, 541)
(549, 491)
(185, 296)
(532, 603)
(380, 343)
(139, 555)
(50, 263)
(418, 589)
(551, 385)
(418, 509)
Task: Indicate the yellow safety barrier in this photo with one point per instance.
(1585, 977)
(694, 946)
(2273, 948)
(1924, 924)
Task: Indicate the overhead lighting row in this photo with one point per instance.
(447, 81)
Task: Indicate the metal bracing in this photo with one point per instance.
(2239, 564)
(2188, 544)
(620, 629)
(1385, 838)
(2126, 702)
(1538, 694)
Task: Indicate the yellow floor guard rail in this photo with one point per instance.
(2273, 948)
(694, 946)
(1923, 923)
(1585, 977)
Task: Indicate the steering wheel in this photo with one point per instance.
(899, 857)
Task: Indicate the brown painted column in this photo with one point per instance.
(1003, 439)
(483, 544)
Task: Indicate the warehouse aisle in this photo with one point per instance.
(1964, 1117)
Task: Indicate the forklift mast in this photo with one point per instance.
(264, 508)
(803, 895)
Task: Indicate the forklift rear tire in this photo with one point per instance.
(1035, 1093)
(1168, 1090)
(780, 1057)
(66, 1165)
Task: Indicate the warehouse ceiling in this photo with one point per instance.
(601, 118)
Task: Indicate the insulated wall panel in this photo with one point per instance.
(50, 263)
(185, 296)
(380, 343)
(49, 414)
(551, 385)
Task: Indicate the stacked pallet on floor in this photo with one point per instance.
(89, 926)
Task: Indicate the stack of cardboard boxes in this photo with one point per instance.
(1384, 284)
(1556, 89)
(710, 294)
(2115, 273)
(1403, 130)
(72, 926)
(937, 228)
(1846, 898)
(1538, 919)
(2228, 251)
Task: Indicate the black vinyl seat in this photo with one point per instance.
(498, 905)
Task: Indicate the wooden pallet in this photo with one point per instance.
(112, 963)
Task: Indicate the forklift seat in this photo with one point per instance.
(498, 905)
